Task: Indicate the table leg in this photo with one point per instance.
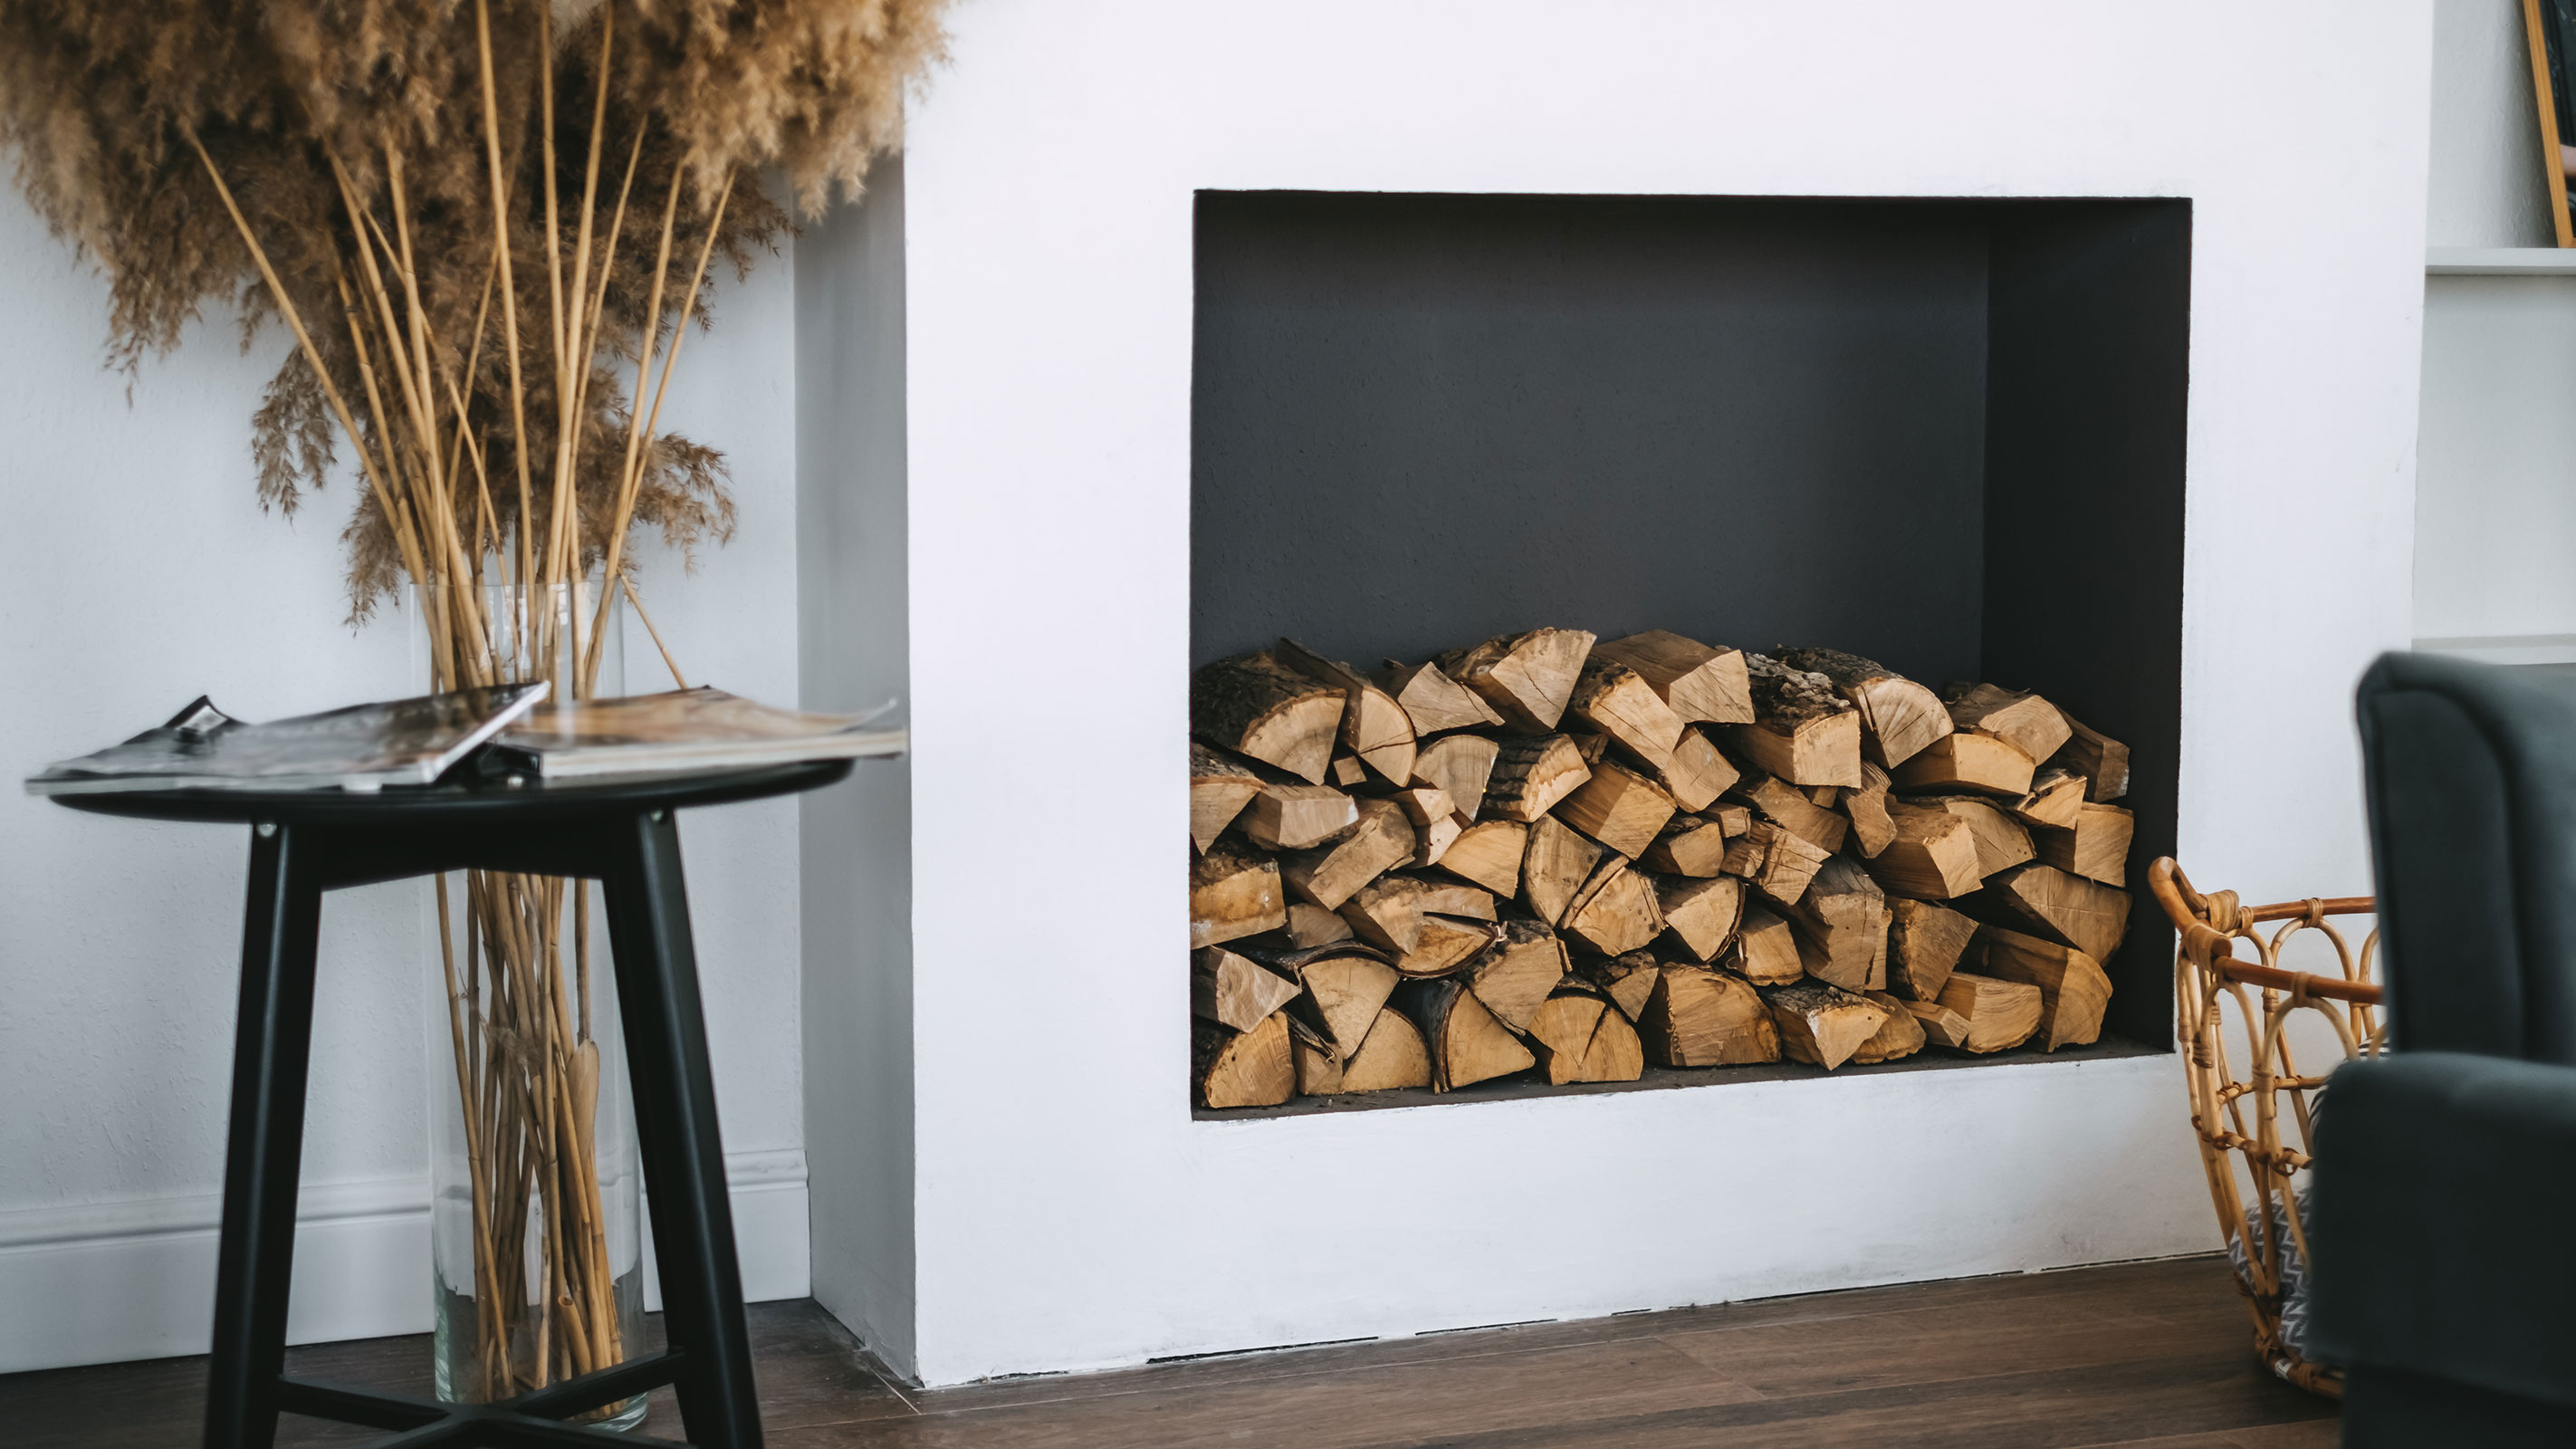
(675, 1114)
(272, 1044)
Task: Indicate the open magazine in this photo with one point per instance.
(683, 729)
(362, 747)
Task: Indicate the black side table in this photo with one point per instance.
(623, 834)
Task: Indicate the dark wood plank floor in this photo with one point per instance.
(2148, 1355)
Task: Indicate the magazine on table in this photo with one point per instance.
(684, 729)
(363, 747)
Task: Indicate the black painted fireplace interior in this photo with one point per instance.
(1948, 434)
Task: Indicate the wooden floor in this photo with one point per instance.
(2151, 1355)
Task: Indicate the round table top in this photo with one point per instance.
(479, 801)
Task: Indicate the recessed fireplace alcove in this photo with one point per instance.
(1947, 434)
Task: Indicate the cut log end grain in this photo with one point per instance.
(1898, 717)
(1969, 760)
(1433, 701)
(1999, 1014)
(1297, 817)
(1341, 997)
(1466, 1044)
(2056, 797)
(2030, 722)
(1581, 1038)
(1777, 862)
(1841, 926)
(1696, 1017)
(1233, 893)
(2049, 903)
(1693, 845)
(1235, 990)
(1489, 853)
(1933, 856)
(1219, 789)
(1942, 1027)
(1518, 972)
(1459, 766)
(1793, 810)
(1624, 981)
(1804, 731)
(1699, 772)
(1312, 925)
(2074, 992)
(1700, 684)
(1327, 875)
(1391, 1057)
(1527, 678)
(2002, 841)
(1866, 809)
(1394, 911)
(2100, 759)
(1924, 943)
(2097, 847)
(1822, 1025)
(1346, 773)
(1373, 727)
(1700, 913)
(1554, 866)
(1615, 911)
(1531, 774)
(1897, 1037)
(1618, 807)
(1617, 702)
(1242, 1069)
(1254, 705)
(1767, 949)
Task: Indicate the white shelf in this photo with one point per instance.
(2500, 262)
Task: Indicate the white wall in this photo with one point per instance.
(2486, 188)
(136, 570)
(1068, 1212)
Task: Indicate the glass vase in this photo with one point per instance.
(536, 1213)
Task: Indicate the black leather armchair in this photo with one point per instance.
(2443, 1214)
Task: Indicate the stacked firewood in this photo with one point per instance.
(1551, 854)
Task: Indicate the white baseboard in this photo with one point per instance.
(108, 1282)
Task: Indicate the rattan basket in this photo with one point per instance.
(2250, 1104)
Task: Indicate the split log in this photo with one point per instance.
(1618, 702)
(1689, 845)
(1699, 773)
(1374, 727)
(1591, 745)
(2043, 901)
(1933, 857)
(1346, 773)
(1841, 926)
(1696, 1017)
(2100, 759)
(1436, 822)
(1626, 981)
(1924, 944)
(1618, 807)
(1897, 716)
(1767, 949)
(1391, 1058)
(1615, 912)
(1822, 1025)
(2074, 991)
(1433, 840)
(1866, 809)
(1219, 789)
(1458, 766)
(1517, 972)
(1297, 817)
(1254, 705)
(1554, 868)
(1311, 925)
(1969, 761)
(1242, 1069)
(1577, 1037)
(1791, 809)
(2000, 1015)
(1699, 684)
(2097, 848)
(1778, 863)
(2002, 842)
(1898, 1036)
(1327, 875)
(1531, 773)
(1735, 818)
(1446, 944)
(1235, 990)
(1466, 1045)
(1700, 913)
(1942, 1027)
(1390, 912)
(1433, 701)
(1341, 993)
(1803, 731)
(1489, 853)
(1233, 893)
(2056, 797)
(1527, 678)
(2030, 722)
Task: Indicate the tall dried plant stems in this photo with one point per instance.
(509, 287)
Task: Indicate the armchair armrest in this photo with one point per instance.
(2442, 1221)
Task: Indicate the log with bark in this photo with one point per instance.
(1999, 1014)
(1619, 808)
(1235, 990)
(1792, 809)
(1489, 853)
(1527, 678)
(1898, 1036)
(1458, 766)
(1615, 911)
(1296, 817)
(1803, 730)
(1841, 926)
(1767, 949)
(2073, 990)
(2043, 901)
(1512, 976)
(1391, 1058)
(1689, 845)
(1696, 1017)
(1932, 858)
(1897, 716)
(1374, 727)
(1242, 1069)
(1616, 701)
(1822, 1025)
(1700, 912)
(1924, 943)
(1327, 875)
(1554, 867)
(2101, 760)
(1777, 862)
(1256, 706)
(1578, 1037)
(1220, 787)
(2027, 720)
(1464, 1041)
(2097, 848)
(1625, 980)
(1433, 701)
(1234, 892)
(1700, 684)
(1967, 760)
(1531, 774)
